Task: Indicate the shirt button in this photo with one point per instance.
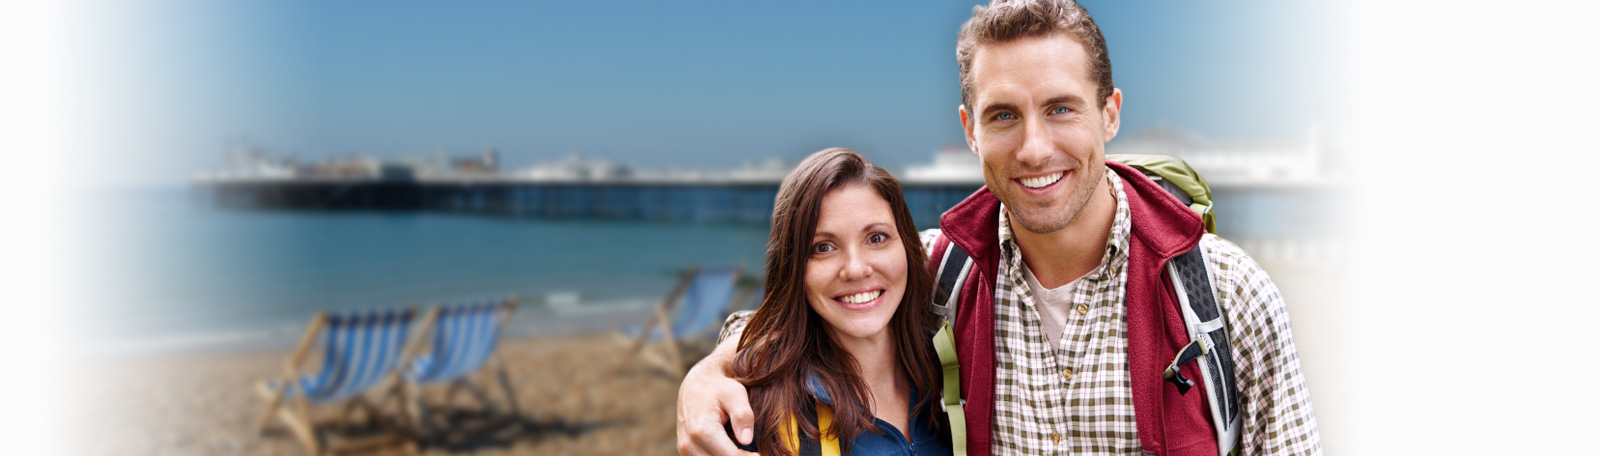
(1055, 437)
(1067, 374)
(1083, 309)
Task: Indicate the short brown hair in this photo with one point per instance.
(1008, 20)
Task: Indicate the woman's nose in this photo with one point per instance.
(855, 266)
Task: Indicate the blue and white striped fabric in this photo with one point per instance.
(704, 301)
(360, 349)
(464, 336)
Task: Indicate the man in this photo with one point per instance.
(1066, 321)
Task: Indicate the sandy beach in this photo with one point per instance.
(572, 397)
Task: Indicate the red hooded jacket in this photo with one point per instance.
(1169, 423)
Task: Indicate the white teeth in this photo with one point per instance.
(1036, 182)
(861, 297)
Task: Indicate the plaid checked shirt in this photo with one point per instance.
(1076, 398)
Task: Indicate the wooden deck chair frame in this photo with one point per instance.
(669, 356)
(495, 365)
(297, 416)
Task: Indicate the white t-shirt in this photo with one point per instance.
(1053, 304)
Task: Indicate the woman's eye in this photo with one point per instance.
(877, 238)
(822, 248)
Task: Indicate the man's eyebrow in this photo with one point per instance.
(997, 107)
(1072, 100)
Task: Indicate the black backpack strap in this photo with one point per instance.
(954, 267)
(1171, 188)
(1209, 344)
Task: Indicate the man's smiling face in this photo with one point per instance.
(1038, 129)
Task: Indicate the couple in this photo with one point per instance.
(1065, 325)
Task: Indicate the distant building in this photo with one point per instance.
(952, 163)
(1279, 200)
(488, 163)
(248, 160)
(769, 170)
(1236, 163)
(358, 167)
(576, 168)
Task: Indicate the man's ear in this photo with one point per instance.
(966, 126)
(1113, 113)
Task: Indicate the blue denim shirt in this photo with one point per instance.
(925, 441)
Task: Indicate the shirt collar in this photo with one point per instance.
(817, 389)
(1116, 251)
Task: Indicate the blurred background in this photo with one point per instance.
(248, 165)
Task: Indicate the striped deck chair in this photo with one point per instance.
(361, 353)
(706, 294)
(463, 341)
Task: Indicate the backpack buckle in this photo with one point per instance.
(1194, 350)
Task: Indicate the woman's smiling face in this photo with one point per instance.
(856, 274)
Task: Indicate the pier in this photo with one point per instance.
(710, 201)
(1280, 197)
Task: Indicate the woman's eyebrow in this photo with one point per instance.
(878, 226)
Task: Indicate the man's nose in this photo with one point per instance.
(1036, 148)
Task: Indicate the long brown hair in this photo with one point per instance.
(786, 339)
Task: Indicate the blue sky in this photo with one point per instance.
(693, 84)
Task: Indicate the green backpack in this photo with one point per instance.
(1178, 178)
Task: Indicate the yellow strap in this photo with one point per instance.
(791, 439)
(944, 343)
(830, 444)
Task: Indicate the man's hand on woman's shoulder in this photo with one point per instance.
(708, 398)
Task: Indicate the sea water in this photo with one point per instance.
(166, 272)
(163, 271)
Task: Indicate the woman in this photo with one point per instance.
(843, 335)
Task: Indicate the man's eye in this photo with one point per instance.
(1005, 116)
(877, 238)
(1060, 110)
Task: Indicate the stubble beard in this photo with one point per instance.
(1084, 191)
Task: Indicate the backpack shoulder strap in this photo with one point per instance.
(827, 445)
(954, 266)
(830, 443)
(1202, 317)
(1208, 332)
